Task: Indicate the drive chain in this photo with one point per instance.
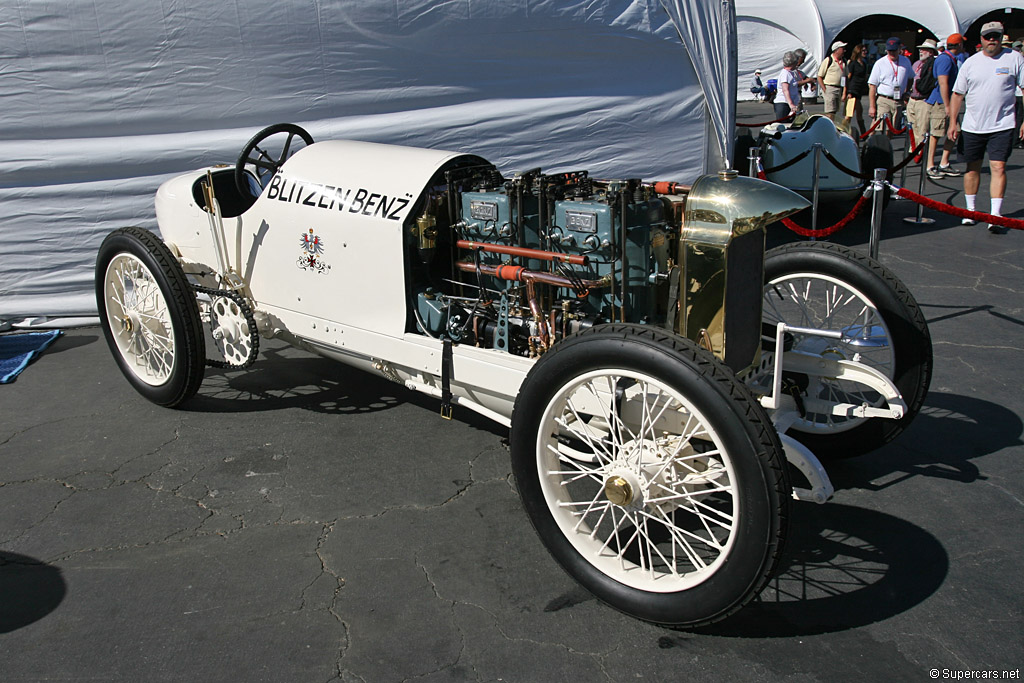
(254, 335)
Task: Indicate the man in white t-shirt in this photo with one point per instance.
(988, 82)
(889, 82)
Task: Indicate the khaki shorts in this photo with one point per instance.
(927, 118)
(883, 106)
(833, 96)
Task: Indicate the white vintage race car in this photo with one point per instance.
(656, 368)
(787, 153)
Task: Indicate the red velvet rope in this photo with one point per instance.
(822, 232)
(870, 130)
(762, 125)
(892, 129)
(1014, 223)
(917, 157)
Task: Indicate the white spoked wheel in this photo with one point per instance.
(650, 474)
(138, 317)
(825, 286)
(149, 315)
(637, 480)
(823, 302)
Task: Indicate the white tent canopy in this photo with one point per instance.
(767, 28)
(102, 101)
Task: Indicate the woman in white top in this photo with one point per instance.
(787, 97)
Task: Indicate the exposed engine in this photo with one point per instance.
(518, 264)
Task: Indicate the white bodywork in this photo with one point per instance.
(354, 310)
(346, 204)
(781, 143)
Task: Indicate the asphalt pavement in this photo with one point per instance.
(302, 521)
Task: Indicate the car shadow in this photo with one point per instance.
(843, 567)
(30, 590)
(67, 342)
(947, 434)
(284, 378)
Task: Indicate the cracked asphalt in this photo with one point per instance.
(303, 521)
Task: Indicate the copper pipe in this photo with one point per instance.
(525, 252)
(660, 187)
(671, 188)
(538, 315)
(520, 274)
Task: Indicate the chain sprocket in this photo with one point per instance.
(233, 327)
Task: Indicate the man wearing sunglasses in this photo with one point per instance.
(988, 83)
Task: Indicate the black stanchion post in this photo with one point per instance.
(920, 219)
(906, 146)
(815, 185)
(878, 188)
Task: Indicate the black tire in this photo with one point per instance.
(749, 482)
(266, 163)
(906, 357)
(149, 316)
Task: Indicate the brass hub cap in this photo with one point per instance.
(618, 491)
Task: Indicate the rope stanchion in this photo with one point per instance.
(823, 232)
(762, 125)
(839, 165)
(910, 157)
(870, 130)
(1014, 223)
(919, 155)
(802, 155)
(892, 128)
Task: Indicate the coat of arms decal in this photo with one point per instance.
(312, 248)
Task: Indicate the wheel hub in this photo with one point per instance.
(622, 487)
(618, 491)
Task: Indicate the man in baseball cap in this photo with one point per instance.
(946, 67)
(830, 78)
(926, 110)
(989, 126)
(888, 84)
(993, 27)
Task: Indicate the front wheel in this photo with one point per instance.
(650, 474)
(826, 286)
(149, 315)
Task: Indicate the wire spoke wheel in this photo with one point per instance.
(822, 302)
(138, 317)
(826, 286)
(650, 474)
(653, 505)
(149, 315)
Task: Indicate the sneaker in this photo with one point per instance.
(935, 174)
(968, 221)
(997, 229)
(950, 171)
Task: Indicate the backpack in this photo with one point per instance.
(926, 82)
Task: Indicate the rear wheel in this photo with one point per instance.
(650, 474)
(149, 315)
(827, 286)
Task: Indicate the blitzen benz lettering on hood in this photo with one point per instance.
(359, 201)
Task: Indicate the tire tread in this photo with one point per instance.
(770, 448)
(182, 298)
